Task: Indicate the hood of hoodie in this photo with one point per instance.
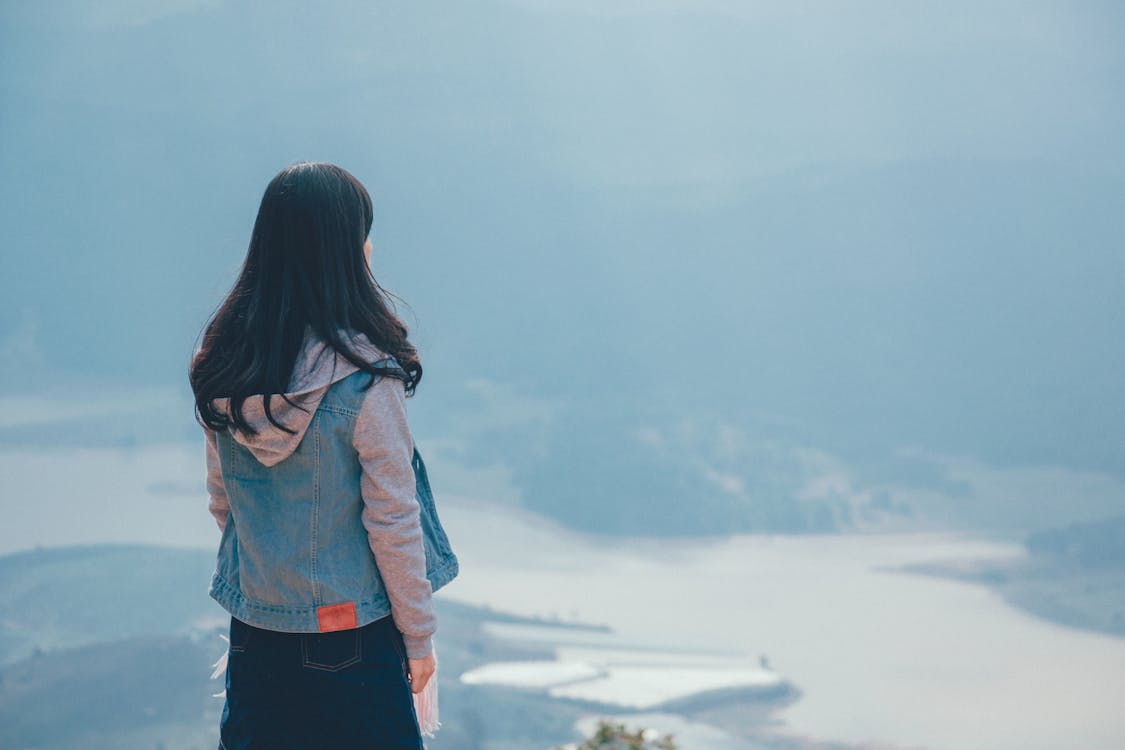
(318, 366)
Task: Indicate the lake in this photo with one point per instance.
(880, 656)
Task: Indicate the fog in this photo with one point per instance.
(675, 268)
(864, 226)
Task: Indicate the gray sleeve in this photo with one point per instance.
(219, 504)
(391, 514)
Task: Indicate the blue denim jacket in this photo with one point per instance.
(295, 554)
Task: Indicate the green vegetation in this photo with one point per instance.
(611, 736)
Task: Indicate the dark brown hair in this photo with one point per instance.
(305, 267)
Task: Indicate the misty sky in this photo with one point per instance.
(865, 225)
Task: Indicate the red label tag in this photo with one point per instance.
(335, 617)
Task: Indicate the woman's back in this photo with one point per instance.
(324, 525)
(331, 546)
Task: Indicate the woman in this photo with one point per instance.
(331, 545)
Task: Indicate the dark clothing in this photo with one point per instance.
(315, 691)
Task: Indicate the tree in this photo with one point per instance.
(610, 736)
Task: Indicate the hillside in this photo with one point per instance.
(111, 647)
(1073, 575)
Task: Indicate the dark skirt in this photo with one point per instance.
(303, 691)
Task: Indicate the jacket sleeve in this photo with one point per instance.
(391, 513)
(219, 504)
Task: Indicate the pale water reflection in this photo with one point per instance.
(879, 656)
(632, 678)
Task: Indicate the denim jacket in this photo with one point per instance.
(335, 526)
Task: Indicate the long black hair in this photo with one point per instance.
(305, 267)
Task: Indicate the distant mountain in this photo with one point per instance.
(139, 692)
(75, 596)
(1093, 546)
(654, 259)
(1073, 575)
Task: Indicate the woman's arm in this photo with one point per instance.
(219, 504)
(391, 512)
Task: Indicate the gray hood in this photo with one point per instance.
(318, 365)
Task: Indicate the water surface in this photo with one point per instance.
(880, 656)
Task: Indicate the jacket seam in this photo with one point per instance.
(316, 510)
(441, 539)
(229, 593)
(338, 410)
(239, 605)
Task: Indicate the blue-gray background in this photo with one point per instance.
(859, 228)
(675, 267)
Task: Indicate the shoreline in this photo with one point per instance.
(1092, 600)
